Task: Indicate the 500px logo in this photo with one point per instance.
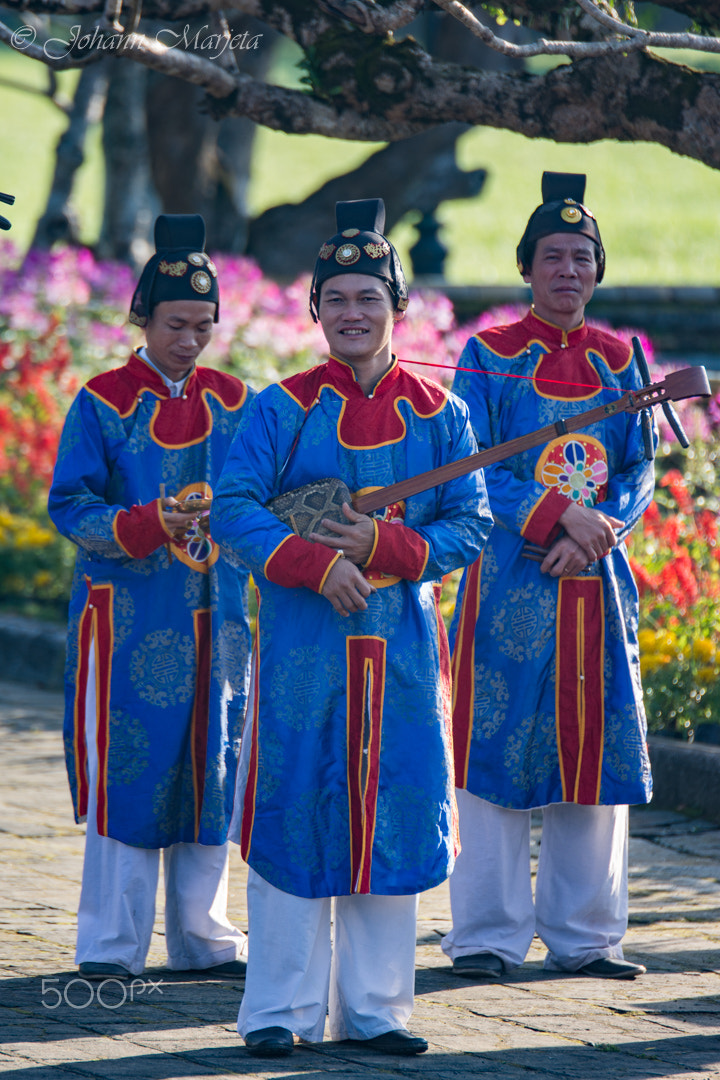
(80, 994)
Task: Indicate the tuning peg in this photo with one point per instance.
(674, 421)
(9, 199)
(645, 421)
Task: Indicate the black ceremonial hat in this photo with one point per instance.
(561, 210)
(179, 269)
(359, 247)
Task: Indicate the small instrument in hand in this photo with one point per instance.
(304, 508)
(190, 506)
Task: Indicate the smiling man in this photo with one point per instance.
(158, 647)
(345, 787)
(548, 709)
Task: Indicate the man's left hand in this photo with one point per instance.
(564, 557)
(355, 539)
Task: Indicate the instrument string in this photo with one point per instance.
(511, 375)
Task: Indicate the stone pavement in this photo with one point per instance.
(535, 1025)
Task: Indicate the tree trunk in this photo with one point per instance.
(59, 220)
(416, 174)
(202, 165)
(130, 202)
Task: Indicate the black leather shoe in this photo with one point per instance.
(270, 1042)
(399, 1041)
(236, 968)
(608, 968)
(96, 970)
(478, 966)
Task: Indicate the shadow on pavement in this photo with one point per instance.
(629, 1061)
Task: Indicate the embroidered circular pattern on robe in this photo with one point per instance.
(162, 668)
(492, 697)
(577, 467)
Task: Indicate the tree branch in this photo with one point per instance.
(649, 39)
(372, 19)
(375, 89)
(543, 47)
(180, 63)
(37, 52)
(634, 39)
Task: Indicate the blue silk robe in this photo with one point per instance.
(346, 783)
(168, 621)
(548, 702)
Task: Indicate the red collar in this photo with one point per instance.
(552, 336)
(151, 378)
(344, 379)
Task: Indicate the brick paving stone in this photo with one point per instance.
(532, 1024)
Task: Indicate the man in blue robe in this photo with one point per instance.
(158, 644)
(345, 786)
(548, 709)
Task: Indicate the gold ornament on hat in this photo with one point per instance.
(210, 265)
(347, 254)
(326, 251)
(571, 214)
(201, 282)
(173, 269)
(376, 251)
(350, 232)
(196, 259)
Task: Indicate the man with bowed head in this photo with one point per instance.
(548, 709)
(158, 649)
(345, 785)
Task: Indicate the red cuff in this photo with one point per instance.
(399, 551)
(297, 563)
(141, 530)
(541, 525)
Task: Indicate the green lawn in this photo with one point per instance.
(657, 211)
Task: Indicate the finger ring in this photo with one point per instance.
(341, 553)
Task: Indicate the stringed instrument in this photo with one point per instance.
(304, 508)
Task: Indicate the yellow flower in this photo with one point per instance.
(41, 579)
(652, 661)
(707, 674)
(33, 536)
(646, 640)
(666, 642)
(703, 649)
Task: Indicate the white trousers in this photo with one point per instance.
(580, 910)
(119, 883)
(365, 979)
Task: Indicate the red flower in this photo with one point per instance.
(652, 521)
(707, 526)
